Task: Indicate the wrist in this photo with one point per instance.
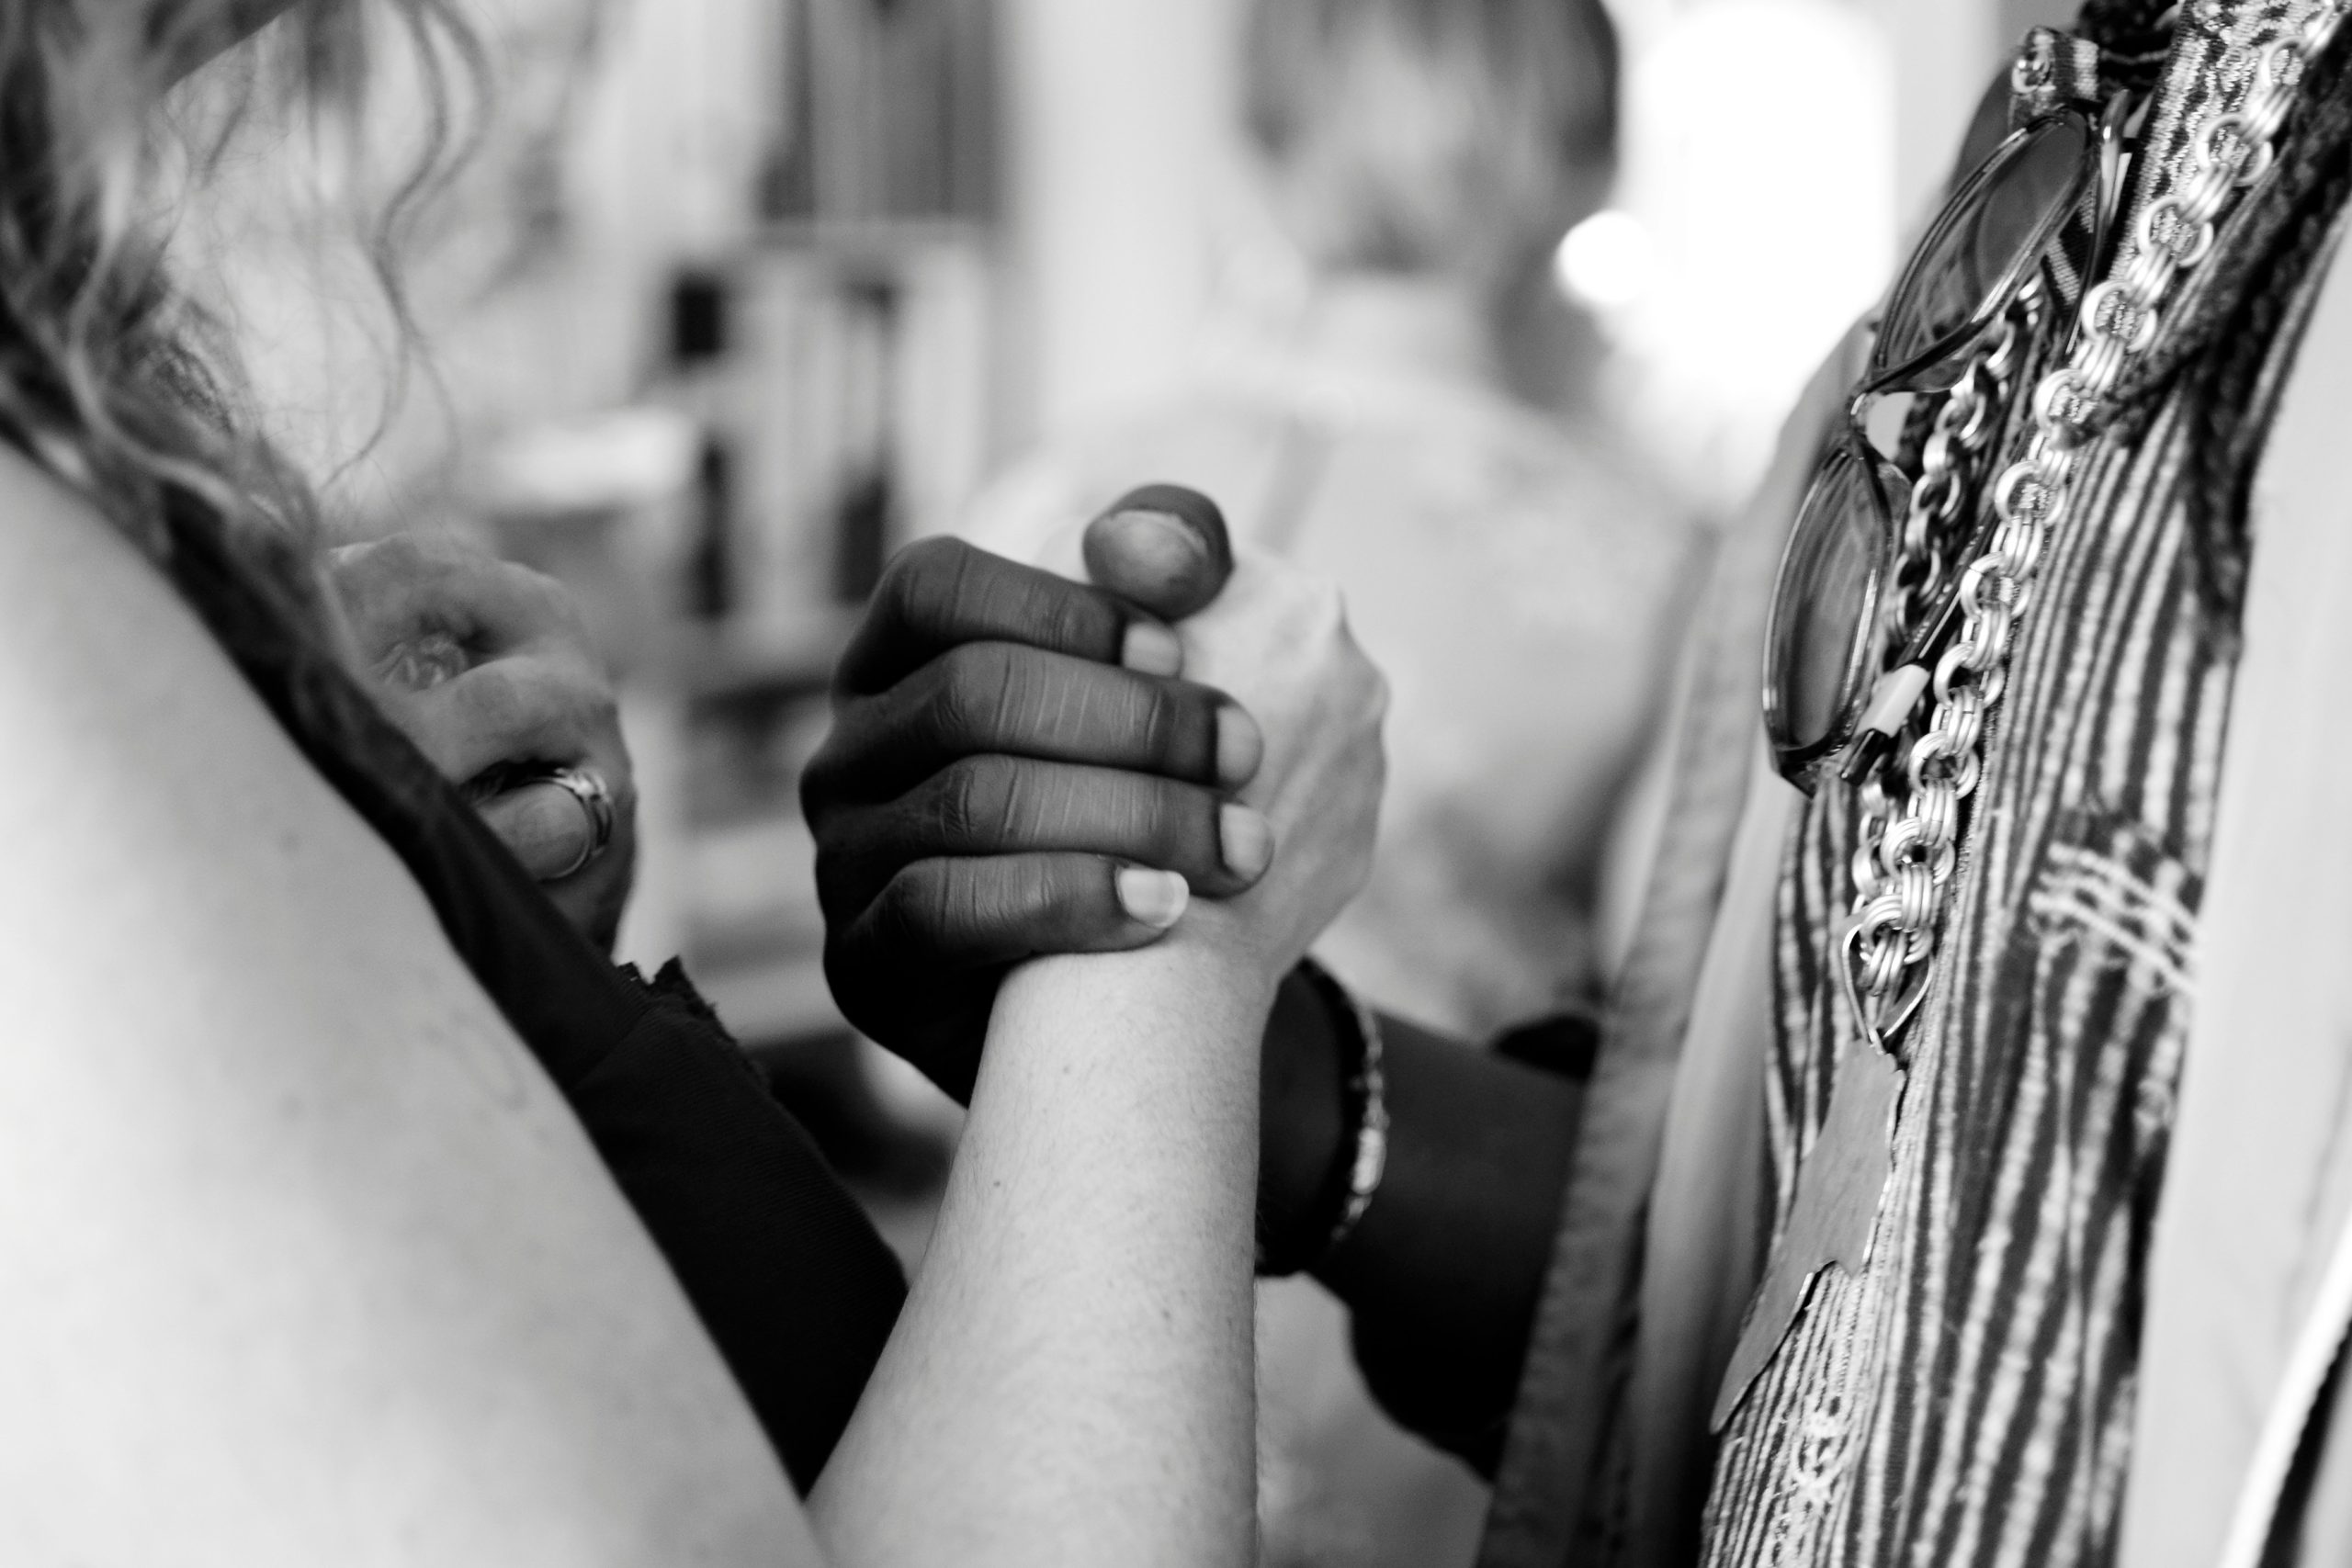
(1247, 958)
(1098, 1015)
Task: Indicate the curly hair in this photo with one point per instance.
(111, 378)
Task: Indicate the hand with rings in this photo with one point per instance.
(487, 667)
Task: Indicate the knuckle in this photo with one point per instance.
(979, 802)
(497, 699)
(543, 599)
(925, 579)
(562, 691)
(583, 695)
(424, 557)
(434, 544)
(914, 907)
(968, 703)
(1287, 583)
(399, 552)
(1012, 897)
(1071, 617)
(1033, 892)
(892, 589)
(347, 566)
(368, 571)
(928, 556)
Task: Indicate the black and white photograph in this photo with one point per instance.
(1175, 783)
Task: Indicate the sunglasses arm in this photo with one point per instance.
(1897, 692)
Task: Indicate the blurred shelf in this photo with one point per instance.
(877, 239)
(782, 655)
(754, 935)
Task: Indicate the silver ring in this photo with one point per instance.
(587, 786)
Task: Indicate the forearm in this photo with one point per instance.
(1071, 1379)
(1443, 1272)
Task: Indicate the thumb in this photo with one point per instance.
(1163, 548)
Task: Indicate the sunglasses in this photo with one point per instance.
(1951, 325)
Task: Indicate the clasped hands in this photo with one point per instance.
(1022, 761)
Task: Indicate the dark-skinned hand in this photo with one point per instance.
(1017, 767)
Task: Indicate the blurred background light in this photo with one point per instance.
(1772, 210)
(1604, 262)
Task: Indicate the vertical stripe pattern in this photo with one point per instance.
(1968, 1399)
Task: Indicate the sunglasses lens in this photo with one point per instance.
(1823, 602)
(1997, 225)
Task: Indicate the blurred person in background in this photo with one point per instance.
(1499, 558)
(1416, 425)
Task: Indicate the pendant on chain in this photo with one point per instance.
(1833, 1214)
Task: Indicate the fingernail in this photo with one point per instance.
(1151, 556)
(1247, 840)
(1241, 747)
(1155, 897)
(1159, 543)
(1152, 649)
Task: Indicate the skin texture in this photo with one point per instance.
(313, 1265)
(1132, 1228)
(486, 666)
(319, 1268)
(1450, 1258)
(979, 796)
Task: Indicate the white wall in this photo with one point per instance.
(1115, 110)
(1945, 51)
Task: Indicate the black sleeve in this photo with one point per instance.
(792, 1281)
(780, 1262)
(1442, 1300)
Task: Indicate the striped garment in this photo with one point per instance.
(1968, 1400)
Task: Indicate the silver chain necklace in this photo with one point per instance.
(1902, 870)
(1909, 853)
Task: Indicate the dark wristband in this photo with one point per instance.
(1356, 1162)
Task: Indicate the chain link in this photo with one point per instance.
(1908, 849)
(1961, 430)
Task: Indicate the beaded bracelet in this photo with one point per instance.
(1362, 1158)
